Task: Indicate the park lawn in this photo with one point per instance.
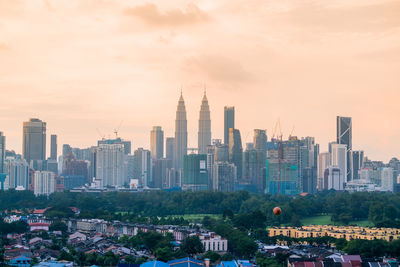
(196, 217)
(326, 220)
(364, 223)
(317, 220)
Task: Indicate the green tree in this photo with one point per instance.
(213, 256)
(192, 245)
(163, 254)
(227, 257)
(58, 226)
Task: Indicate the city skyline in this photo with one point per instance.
(103, 67)
(192, 144)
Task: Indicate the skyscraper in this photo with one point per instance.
(44, 183)
(142, 167)
(260, 140)
(236, 151)
(324, 161)
(17, 170)
(254, 169)
(169, 148)
(339, 159)
(357, 160)
(344, 136)
(2, 151)
(229, 122)
(160, 173)
(204, 134)
(126, 143)
(333, 178)
(224, 176)
(53, 147)
(157, 142)
(180, 134)
(195, 176)
(110, 165)
(34, 140)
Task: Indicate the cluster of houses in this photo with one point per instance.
(210, 240)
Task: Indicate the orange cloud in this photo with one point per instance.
(151, 15)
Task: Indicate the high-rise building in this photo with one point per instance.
(93, 162)
(66, 150)
(324, 161)
(387, 179)
(283, 173)
(44, 183)
(339, 159)
(157, 142)
(34, 140)
(53, 147)
(210, 163)
(169, 148)
(236, 151)
(221, 152)
(254, 169)
(73, 167)
(17, 170)
(224, 174)
(160, 173)
(229, 122)
(195, 176)
(110, 165)
(344, 136)
(333, 178)
(180, 134)
(204, 134)
(126, 143)
(260, 140)
(358, 160)
(142, 167)
(2, 151)
(308, 164)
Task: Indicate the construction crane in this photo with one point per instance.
(291, 132)
(101, 135)
(117, 129)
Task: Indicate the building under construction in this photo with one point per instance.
(291, 166)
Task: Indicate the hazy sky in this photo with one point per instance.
(86, 64)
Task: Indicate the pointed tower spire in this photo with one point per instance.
(180, 133)
(204, 134)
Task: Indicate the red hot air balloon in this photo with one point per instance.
(277, 211)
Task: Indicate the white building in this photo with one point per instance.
(333, 178)
(387, 178)
(17, 170)
(44, 183)
(214, 242)
(339, 157)
(110, 165)
(360, 185)
(324, 160)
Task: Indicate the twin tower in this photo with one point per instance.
(204, 134)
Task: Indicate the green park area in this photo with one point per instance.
(326, 220)
(196, 217)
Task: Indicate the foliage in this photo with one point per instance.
(213, 256)
(161, 207)
(192, 245)
(58, 226)
(14, 227)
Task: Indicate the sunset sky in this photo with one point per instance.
(86, 64)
